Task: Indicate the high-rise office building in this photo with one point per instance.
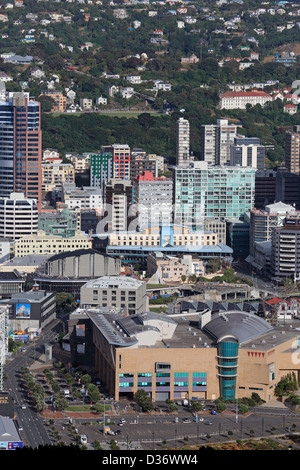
(292, 150)
(18, 216)
(247, 151)
(101, 169)
(216, 140)
(182, 142)
(121, 161)
(141, 163)
(113, 161)
(265, 188)
(20, 145)
(118, 198)
(153, 200)
(211, 191)
(285, 256)
(263, 222)
(208, 143)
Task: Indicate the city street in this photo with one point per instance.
(155, 430)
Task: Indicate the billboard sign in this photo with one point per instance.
(14, 445)
(22, 310)
(10, 445)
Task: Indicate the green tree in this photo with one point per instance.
(47, 103)
(196, 405)
(85, 379)
(286, 385)
(65, 301)
(93, 392)
(172, 406)
(55, 62)
(144, 400)
(213, 265)
(243, 408)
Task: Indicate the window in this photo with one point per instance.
(162, 366)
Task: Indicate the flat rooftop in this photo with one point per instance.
(184, 330)
(118, 282)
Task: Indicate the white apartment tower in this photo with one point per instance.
(18, 216)
(182, 142)
(285, 255)
(216, 140)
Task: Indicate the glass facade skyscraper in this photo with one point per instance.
(20, 146)
(212, 191)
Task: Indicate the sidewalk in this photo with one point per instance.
(48, 414)
(274, 404)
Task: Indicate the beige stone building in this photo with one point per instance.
(202, 356)
(42, 244)
(181, 236)
(172, 268)
(54, 174)
(60, 100)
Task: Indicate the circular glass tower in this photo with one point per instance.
(227, 366)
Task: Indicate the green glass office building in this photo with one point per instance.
(211, 191)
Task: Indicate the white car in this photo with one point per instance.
(23, 407)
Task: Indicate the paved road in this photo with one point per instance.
(151, 431)
(148, 430)
(34, 432)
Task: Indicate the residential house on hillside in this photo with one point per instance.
(4, 77)
(290, 108)
(160, 85)
(101, 100)
(37, 72)
(134, 79)
(127, 92)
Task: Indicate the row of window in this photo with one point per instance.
(161, 384)
(201, 375)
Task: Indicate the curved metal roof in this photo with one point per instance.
(243, 326)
